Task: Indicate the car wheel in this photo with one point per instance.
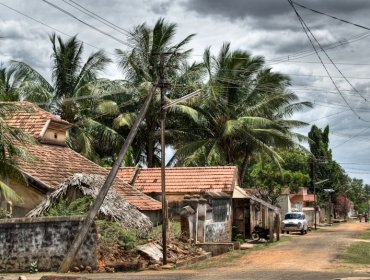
(282, 232)
(302, 231)
(287, 232)
(305, 232)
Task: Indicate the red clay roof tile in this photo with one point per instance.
(32, 119)
(184, 179)
(53, 164)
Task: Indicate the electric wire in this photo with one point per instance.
(91, 14)
(330, 59)
(306, 30)
(352, 137)
(50, 27)
(328, 116)
(46, 25)
(85, 23)
(333, 17)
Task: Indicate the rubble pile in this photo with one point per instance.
(147, 256)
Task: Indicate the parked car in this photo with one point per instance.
(294, 221)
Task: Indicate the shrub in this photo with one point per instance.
(77, 207)
(113, 232)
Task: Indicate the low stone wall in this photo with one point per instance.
(45, 240)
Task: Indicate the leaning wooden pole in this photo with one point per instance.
(80, 237)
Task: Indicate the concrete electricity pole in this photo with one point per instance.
(162, 85)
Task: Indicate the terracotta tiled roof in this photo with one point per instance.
(301, 197)
(32, 119)
(53, 164)
(184, 179)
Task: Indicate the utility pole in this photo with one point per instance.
(313, 184)
(80, 237)
(162, 85)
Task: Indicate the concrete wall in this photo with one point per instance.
(218, 226)
(284, 203)
(310, 216)
(175, 203)
(54, 136)
(45, 240)
(154, 216)
(207, 219)
(31, 197)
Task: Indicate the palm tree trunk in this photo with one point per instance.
(244, 168)
(80, 237)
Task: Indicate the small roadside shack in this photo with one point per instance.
(207, 200)
(250, 211)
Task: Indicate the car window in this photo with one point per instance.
(290, 216)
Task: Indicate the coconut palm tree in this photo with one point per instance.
(73, 82)
(139, 65)
(11, 141)
(14, 87)
(246, 110)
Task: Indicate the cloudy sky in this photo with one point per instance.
(262, 27)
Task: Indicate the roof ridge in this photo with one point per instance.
(40, 110)
(185, 167)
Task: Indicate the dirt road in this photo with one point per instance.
(311, 256)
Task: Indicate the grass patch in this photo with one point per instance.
(261, 246)
(174, 231)
(218, 261)
(227, 258)
(357, 253)
(365, 235)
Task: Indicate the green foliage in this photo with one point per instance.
(114, 233)
(237, 235)
(245, 110)
(34, 267)
(9, 152)
(359, 194)
(3, 213)
(63, 207)
(174, 231)
(139, 66)
(357, 253)
(271, 177)
(324, 167)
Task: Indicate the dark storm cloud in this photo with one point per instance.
(19, 30)
(239, 9)
(160, 8)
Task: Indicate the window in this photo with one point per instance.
(291, 216)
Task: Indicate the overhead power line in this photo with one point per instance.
(326, 54)
(308, 32)
(328, 116)
(333, 17)
(85, 23)
(46, 25)
(91, 14)
(352, 137)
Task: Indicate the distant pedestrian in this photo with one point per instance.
(360, 217)
(366, 217)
